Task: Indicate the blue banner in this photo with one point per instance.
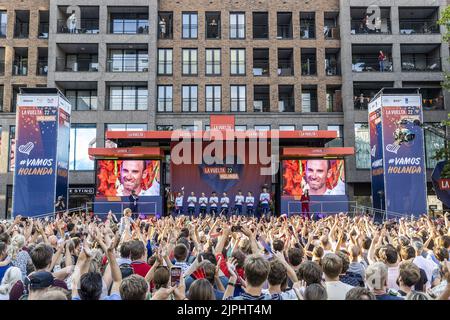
(376, 156)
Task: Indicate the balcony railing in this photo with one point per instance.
(331, 33)
(359, 27)
(307, 32)
(285, 69)
(3, 27)
(260, 32)
(43, 30)
(81, 65)
(260, 70)
(21, 30)
(42, 68)
(87, 26)
(309, 68)
(20, 68)
(127, 65)
(261, 105)
(332, 69)
(428, 65)
(284, 31)
(129, 27)
(372, 64)
(418, 27)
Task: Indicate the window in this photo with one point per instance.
(165, 60)
(433, 143)
(1, 97)
(128, 60)
(82, 100)
(164, 128)
(129, 23)
(262, 128)
(22, 24)
(287, 128)
(238, 99)
(260, 25)
(165, 99)
(339, 141)
(122, 127)
(82, 137)
(165, 25)
(1, 140)
(189, 128)
(240, 128)
(237, 63)
(3, 23)
(213, 98)
(362, 146)
(213, 63)
(190, 98)
(128, 97)
(237, 25)
(213, 30)
(9, 199)
(12, 148)
(307, 25)
(190, 25)
(189, 62)
(309, 98)
(310, 128)
(14, 92)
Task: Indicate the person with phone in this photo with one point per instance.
(249, 202)
(175, 275)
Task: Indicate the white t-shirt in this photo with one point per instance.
(152, 191)
(239, 200)
(264, 198)
(203, 201)
(192, 201)
(249, 200)
(336, 290)
(179, 201)
(213, 201)
(224, 201)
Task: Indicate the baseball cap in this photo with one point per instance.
(39, 280)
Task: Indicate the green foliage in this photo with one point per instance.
(445, 21)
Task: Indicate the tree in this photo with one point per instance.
(445, 21)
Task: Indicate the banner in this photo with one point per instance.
(404, 157)
(376, 154)
(38, 171)
(441, 182)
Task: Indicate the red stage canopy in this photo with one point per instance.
(318, 152)
(126, 153)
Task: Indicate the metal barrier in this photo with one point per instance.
(373, 212)
(117, 207)
(322, 206)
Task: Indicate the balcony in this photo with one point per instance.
(426, 65)
(417, 20)
(309, 98)
(260, 25)
(285, 62)
(87, 26)
(421, 57)
(165, 25)
(2, 67)
(334, 99)
(331, 26)
(284, 25)
(363, 92)
(368, 58)
(84, 22)
(42, 67)
(76, 65)
(261, 62)
(43, 28)
(363, 23)
(213, 30)
(332, 65)
(307, 25)
(22, 24)
(261, 98)
(127, 64)
(286, 98)
(308, 60)
(20, 67)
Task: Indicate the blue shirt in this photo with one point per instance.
(388, 297)
(3, 271)
(114, 296)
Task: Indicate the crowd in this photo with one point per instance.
(83, 257)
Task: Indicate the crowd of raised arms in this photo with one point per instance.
(339, 257)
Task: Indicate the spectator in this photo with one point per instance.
(133, 287)
(409, 275)
(332, 268)
(376, 281)
(315, 291)
(359, 293)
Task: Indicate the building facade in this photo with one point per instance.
(288, 65)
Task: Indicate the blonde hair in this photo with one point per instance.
(17, 243)
(12, 275)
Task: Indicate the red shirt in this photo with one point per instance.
(140, 267)
(304, 198)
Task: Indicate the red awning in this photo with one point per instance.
(126, 153)
(220, 134)
(318, 152)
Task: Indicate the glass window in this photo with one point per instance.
(189, 61)
(339, 141)
(164, 128)
(262, 128)
(0, 140)
(433, 143)
(9, 200)
(237, 25)
(82, 137)
(12, 148)
(213, 63)
(122, 127)
(165, 61)
(213, 98)
(240, 128)
(238, 98)
(127, 60)
(128, 98)
(82, 100)
(237, 61)
(1, 97)
(129, 23)
(362, 146)
(310, 128)
(189, 128)
(287, 128)
(190, 25)
(3, 23)
(165, 99)
(190, 96)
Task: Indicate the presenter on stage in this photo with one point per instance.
(179, 202)
(264, 200)
(224, 202)
(203, 201)
(133, 198)
(192, 201)
(305, 203)
(213, 201)
(238, 202)
(132, 173)
(250, 203)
